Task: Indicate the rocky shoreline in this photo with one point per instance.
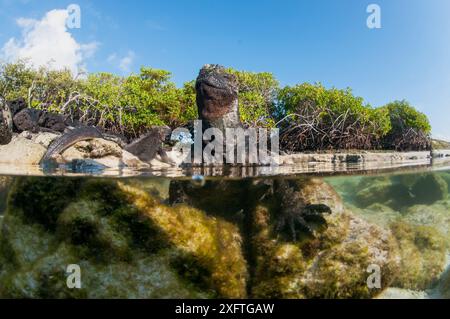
(23, 156)
(24, 153)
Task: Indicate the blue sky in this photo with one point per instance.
(315, 41)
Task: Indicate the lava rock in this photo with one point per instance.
(17, 105)
(52, 121)
(27, 120)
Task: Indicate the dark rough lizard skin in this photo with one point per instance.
(150, 144)
(145, 148)
(70, 138)
(217, 97)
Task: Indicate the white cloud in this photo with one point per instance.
(124, 63)
(48, 42)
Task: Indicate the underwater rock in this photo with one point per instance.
(423, 255)
(156, 187)
(429, 188)
(444, 284)
(22, 151)
(436, 216)
(126, 243)
(315, 190)
(382, 190)
(331, 265)
(217, 98)
(212, 243)
(446, 177)
(376, 192)
(379, 214)
(398, 191)
(398, 293)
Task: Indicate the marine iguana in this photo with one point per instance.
(217, 98)
(145, 148)
(149, 145)
(70, 138)
(294, 212)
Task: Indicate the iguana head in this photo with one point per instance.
(216, 91)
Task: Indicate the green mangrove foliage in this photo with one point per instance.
(410, 128)
(310, 116)
(257, 96)
(320, 118)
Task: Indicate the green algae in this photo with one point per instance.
(423, 252)
(127, 244)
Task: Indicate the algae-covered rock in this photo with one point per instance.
(423, 255)
(382, 191)
(378, 214)
(446, 177)
(399, 293)
(436, 216)
(444, 284)
(331, 265)
(208, 242)
(429, 188)
(401, 191)
(126, 243)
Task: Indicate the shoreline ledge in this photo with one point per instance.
(340, 157)
(22, 157)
